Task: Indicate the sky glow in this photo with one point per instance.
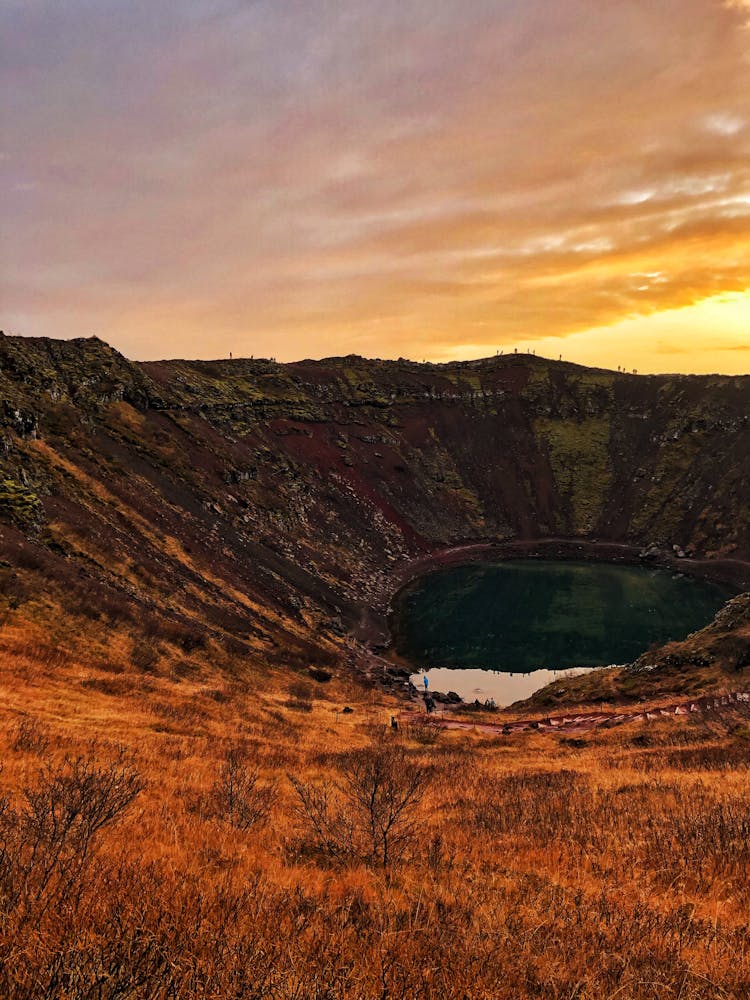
(429, 178)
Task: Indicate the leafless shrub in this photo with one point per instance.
(422, 730)
(238, 795)
(300, 690)
(369, 813)
(72, 803)
(12, 588)
(30, 736)
(114, 686)
(178, 711)
(298, 705)
(187, 637)
(219, 695)
(109, 666)
(184, 668)
(144, 656)
(45, 844)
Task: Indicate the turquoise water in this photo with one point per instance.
(520, 617)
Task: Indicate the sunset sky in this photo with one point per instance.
(436, 179)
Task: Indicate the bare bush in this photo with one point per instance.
(300, 690)
(73, 802)
(144, 656)
(423, 730)
(30, 736)
(238, 795)
(369, 813)
(45, 844)
(298, 704)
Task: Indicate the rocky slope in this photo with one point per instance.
(269, 506)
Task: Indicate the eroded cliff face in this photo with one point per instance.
(270, 504)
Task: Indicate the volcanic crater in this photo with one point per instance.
(275, 509)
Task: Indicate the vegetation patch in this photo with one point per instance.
(19, 504)
(580, 462)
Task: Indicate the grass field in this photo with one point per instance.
(219, 832)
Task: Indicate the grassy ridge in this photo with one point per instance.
(531, 866)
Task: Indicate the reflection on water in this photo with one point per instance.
(475, 684)
(473, 626)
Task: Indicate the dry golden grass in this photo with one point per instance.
(612, 864)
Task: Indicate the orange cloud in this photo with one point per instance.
(300, 180)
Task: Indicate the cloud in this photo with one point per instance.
(304, 178)
(724, 123)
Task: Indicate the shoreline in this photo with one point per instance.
(732, 572)
(374, 630)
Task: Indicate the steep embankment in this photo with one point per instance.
(264, 506)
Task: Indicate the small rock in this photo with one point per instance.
(650, 552)
(337, 626)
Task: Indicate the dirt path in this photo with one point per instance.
(581, 722)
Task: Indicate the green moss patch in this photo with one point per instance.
(18, 503)
(579, 458)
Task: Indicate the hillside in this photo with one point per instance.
(270, 507)
(202, 794)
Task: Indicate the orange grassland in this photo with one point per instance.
(610, 864)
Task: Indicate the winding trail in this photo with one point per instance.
(581, 722)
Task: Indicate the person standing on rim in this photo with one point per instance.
(426, 681)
